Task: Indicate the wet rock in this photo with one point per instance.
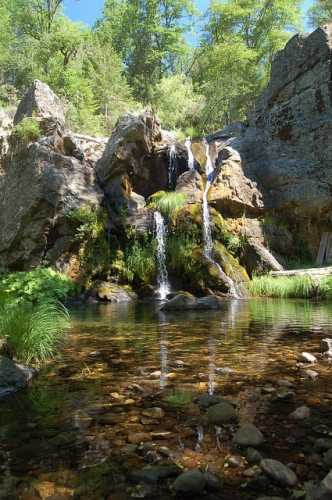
(110, 292)
(323, 491)
(301, 413)
(177, 363)
(327, 459)
(260, 483)
(234, 461)
(155, 472)
(189, 302)
(224, 370)
(309, 374)
(153, 412)
(306, 357)
(111, 419)
(13, 375)
(208, 400)
(285, 396)
(253, 456)
(156, 374)
(248, 435)
(139, 437)
(322, 429)
(279, 473)
(152, 457)
(323, 444)
(212, 482)
(222, 413)
(285, 383)
(326, 347)
(189, 482)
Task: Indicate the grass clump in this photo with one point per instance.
(141, 260)
(301, 286)
(167, 203)
(36, 332)
(26, 131)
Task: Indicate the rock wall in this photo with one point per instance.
(42, 182)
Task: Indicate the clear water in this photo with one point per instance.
(66, 435)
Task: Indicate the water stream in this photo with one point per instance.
(173, 167)
(191, 159)
(163, 286)
(208, 243)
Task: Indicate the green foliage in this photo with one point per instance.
(302, 286)
(26, 131)
(141, 261)
(33, 332)
(91, 233)
(180, 254)
(320, 13)
(167, 203)
(176, 93)
(41, 284)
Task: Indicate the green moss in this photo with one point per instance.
(26, 131)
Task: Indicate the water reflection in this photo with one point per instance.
(78, 408)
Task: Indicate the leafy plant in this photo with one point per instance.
(33, 332)
(38, 285)
(88, 218)
(180, 248)
(167, 203)
(26, 131)
(325, 287)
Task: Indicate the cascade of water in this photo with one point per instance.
(191, 159)
(162, 278)
(208, 243)
(172, 167)
(199, 438)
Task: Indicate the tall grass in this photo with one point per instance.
(301, 286)
(167, 203)
(33, 332)
(141, 260)
(180, 248)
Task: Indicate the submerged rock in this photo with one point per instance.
(248, 435)
(191, 481)
(279, 472)
(189, 302)
(222, 413)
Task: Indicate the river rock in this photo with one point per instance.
(279, 472)
(306, 357)
(248, 435)
(139, 437)
(191, 481)
(323, 444)
(14, 376)
(212, 482)
(222, 413)
(189, 302)
(207, 400)
(155, 472)
(309, 374)
(327, 459)
(153, 412)
(301, 413)
(323, 491)
(326, 347)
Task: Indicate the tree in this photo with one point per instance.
(320, 13)
(233, 61)
(149, 37)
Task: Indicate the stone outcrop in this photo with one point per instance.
(14, 376)
(43, 182)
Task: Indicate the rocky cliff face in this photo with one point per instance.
(272, 176)
(42, 182)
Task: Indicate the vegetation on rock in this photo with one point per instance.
(26, 131)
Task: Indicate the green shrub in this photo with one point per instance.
(180, 253)
(167, 203)
(325, 287)
(33, 332)
(37, 285)
(26, 131)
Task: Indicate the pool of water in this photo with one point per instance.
(69, 434)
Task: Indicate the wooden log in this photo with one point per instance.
(319, 271)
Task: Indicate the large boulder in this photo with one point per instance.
(43, 181)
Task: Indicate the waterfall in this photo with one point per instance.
(173, 167)
(208, 243)
(191, 159)
(162, 278)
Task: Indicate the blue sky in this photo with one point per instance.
(87, 11)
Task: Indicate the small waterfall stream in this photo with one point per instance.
(162, 278)
(191, 159)
(208, 243)
(173, 167)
